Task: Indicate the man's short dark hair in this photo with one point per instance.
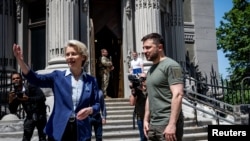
(16, 73)
(156, 37)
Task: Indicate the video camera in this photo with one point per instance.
(135, 80)
(18, 93)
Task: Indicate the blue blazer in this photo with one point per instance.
(63, 104)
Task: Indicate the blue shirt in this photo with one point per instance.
(76, 87)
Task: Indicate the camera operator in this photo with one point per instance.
(33, 103)
(138, 99)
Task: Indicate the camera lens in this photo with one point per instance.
(19, 94)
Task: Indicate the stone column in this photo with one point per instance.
(128, 41)
(62, 25)
(175, 31)
(147, 20)
(7, 32)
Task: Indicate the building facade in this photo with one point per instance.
(43, 27)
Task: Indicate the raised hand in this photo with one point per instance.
(17, 52)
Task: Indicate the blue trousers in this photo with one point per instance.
(96, 122)
(140, 127)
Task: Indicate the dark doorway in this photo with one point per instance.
(38, 48)
(106, 39)
(37, 31)
(106, 17)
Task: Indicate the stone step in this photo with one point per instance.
(126, 132)
(119, 103)
(134, 134)
(195, 137)
(119, 126)
(113, 126)
(116, 100)
(129, 121)
(119, 107)
(121, 139)
(192, 123)
(127, 135)
(120, 112)
(192, 130)
(187, 130)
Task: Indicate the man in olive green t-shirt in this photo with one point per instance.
(163, 120)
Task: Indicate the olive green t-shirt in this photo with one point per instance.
(159, 78)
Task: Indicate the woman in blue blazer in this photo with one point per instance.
(75, 94)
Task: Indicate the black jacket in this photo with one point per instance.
(140, 104)
(34, 104)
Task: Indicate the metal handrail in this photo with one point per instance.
(211, 114)
(241, 84)
(190, 95)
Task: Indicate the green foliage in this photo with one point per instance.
(233, 38)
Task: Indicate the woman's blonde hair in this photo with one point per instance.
(80, 47)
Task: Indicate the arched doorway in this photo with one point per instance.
(106, 17)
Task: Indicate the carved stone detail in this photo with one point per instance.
(128, 8)
(85, 5)
(144, 4)
(189, 38)
(47, 7)
(189, 32)
(18, 10)
(175, 20)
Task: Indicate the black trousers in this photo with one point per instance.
(29, 126)
(70, 132)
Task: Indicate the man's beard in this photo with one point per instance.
(153, 57)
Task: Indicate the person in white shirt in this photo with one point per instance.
(136, 64)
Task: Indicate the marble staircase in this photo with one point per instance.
(119, 125)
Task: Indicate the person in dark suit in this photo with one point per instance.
(32, 100)
(97, 121)
(138, 99)
(75, 94)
